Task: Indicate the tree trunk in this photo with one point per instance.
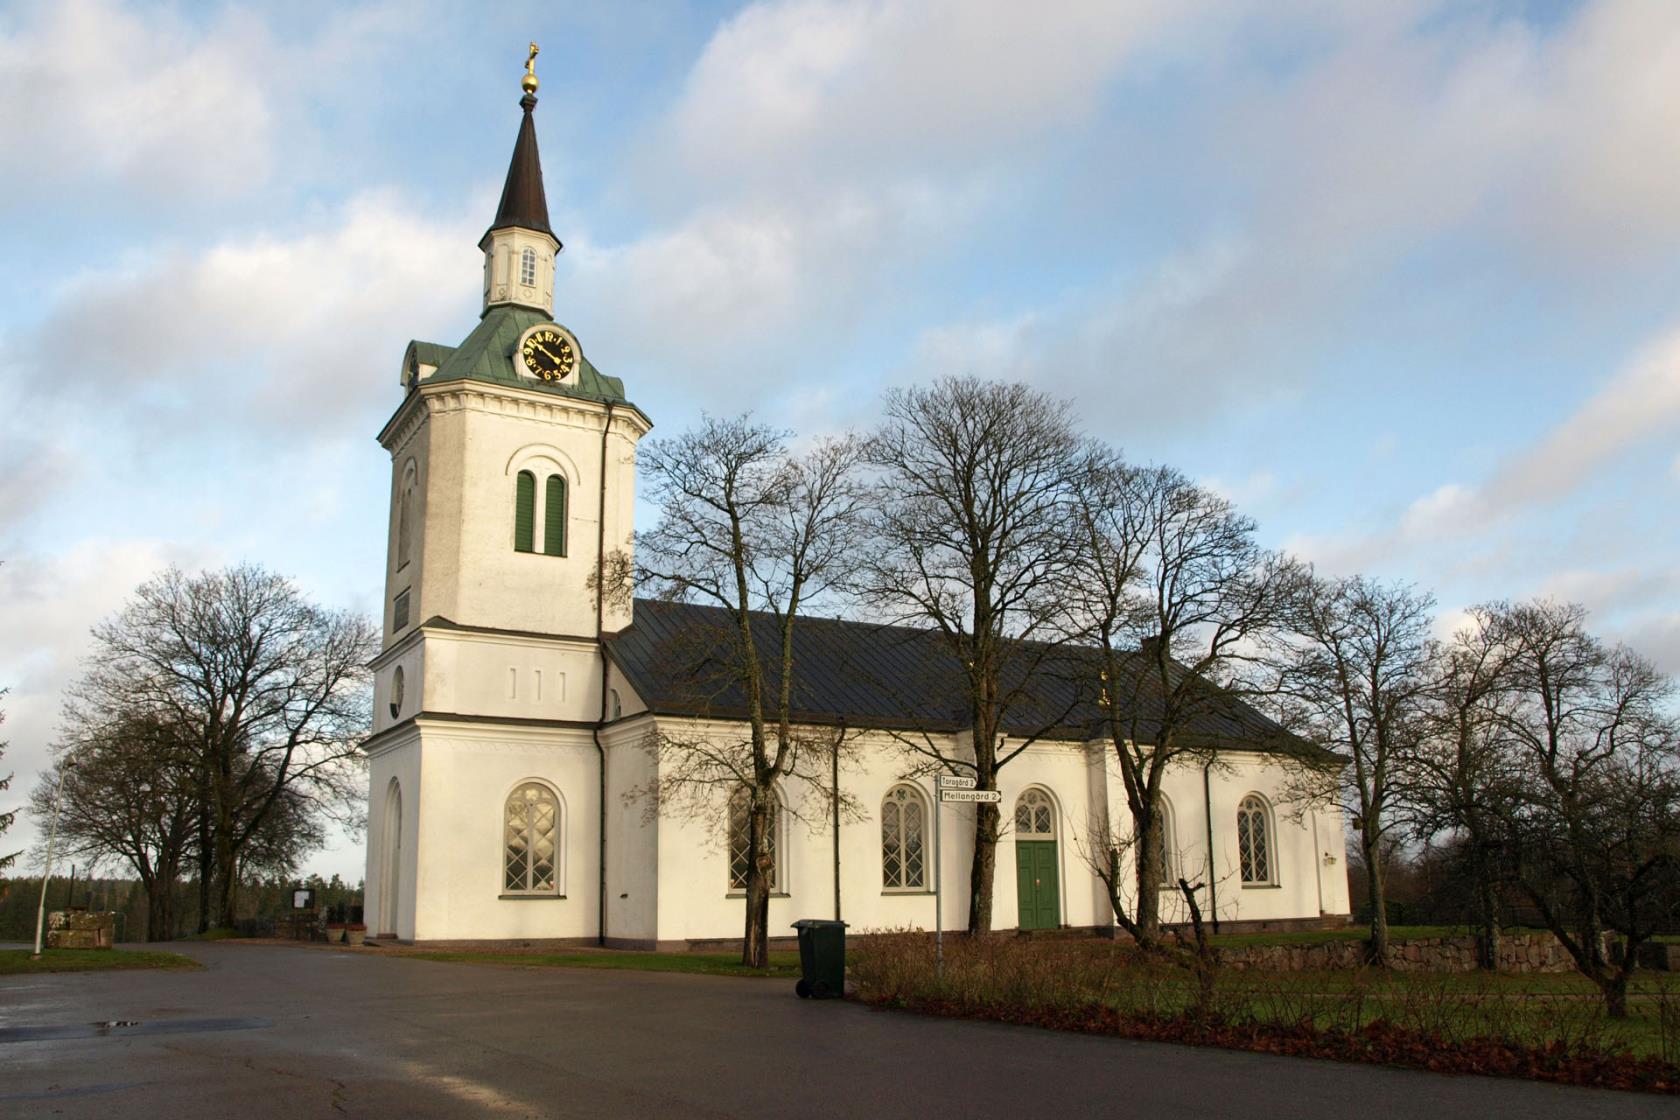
(206, 860)
(1376, 894)
(1148, 875)
(983, 870)
(1487, 910)
(755, 938)
(160, 908)
(1614, 985)
(227, 878)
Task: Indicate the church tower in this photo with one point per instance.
(512, 492)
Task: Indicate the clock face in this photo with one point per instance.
(548, 353)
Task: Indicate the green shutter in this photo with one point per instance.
(554, 516)
(525, 512)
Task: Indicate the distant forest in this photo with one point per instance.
(259, 903)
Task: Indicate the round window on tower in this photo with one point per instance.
(396, 691)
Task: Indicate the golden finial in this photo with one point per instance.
(529, 82)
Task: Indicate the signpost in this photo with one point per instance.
(952, 787)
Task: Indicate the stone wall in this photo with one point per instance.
(81, 929)
(1529, 952)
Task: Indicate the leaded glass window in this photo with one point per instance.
(1035, 816)
(1254, 849)
(530, 841)
(740, 840)
(903, 840)
(528, 267)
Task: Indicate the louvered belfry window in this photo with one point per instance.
(1254, 841)
(740, 841)
(903, 839)
(554, 516)
(525, 512)
(531, 840)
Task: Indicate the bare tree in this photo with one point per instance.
(1359, 666)
(1183, 607)
(271, 689)
(747, 526)
(1461, 778)
(128, 785)
(970, 527)
(1595, 828)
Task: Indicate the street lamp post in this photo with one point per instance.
(46, 873)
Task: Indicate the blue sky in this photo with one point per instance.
(1401, 277)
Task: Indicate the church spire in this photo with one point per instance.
(523, 202)
(519, 246)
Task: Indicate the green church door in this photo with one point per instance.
(1035, 884)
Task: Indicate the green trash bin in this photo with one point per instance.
(822, 958)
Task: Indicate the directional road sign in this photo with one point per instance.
(955, 781)
(991, 795)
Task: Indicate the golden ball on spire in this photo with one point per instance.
(529, 82)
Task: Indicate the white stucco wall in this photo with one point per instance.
(667, 878)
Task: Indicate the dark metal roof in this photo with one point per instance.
(523, 202)
(866, 675)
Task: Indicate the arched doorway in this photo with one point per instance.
(1037, 862)
(390, 870)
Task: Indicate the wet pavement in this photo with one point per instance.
(267, 1031)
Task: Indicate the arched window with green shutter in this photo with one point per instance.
(525, 512)
(554, 516)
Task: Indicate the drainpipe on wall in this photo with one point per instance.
(834, 809)
(1207, 813)
(1318, 866)
(601, 643)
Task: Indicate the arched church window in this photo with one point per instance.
(1035, 816)
(531, 841)
(903, 840)
(740, 841)
(525, 512)
(1254, 842)
(528, 267)
(554, 516)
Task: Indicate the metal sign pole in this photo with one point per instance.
(938, 890)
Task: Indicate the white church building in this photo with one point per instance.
(512, 711)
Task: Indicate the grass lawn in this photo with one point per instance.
(15, 961)
(783, 965)
(1028, 982)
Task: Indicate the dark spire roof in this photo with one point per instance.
(523, 202)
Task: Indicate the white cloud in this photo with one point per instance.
(176, 108)
(1640, 403)
(92, 87)
(50, 601)
(265, 330)
(811, 91)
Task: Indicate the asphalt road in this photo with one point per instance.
(297, 1033)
